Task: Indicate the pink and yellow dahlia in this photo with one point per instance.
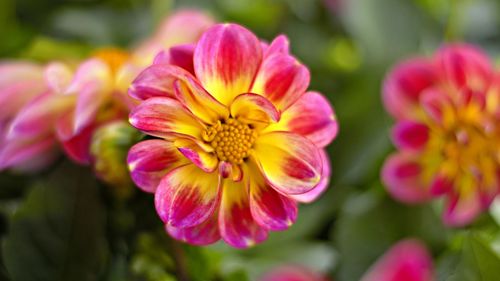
(238, 142)
(408, 260)
(447, 131)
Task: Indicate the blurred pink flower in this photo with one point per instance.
(408, 260)
(241, 141)
(447, 131)
(292, 273)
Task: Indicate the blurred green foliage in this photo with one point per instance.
(64, 232)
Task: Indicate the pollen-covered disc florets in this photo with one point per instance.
(232, 140)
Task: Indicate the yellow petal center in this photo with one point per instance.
(232, 140)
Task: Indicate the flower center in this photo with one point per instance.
(231, 140)
(113, 57)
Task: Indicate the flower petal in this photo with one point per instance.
(462, 208)
(282, 80)
(206, 161)
(199, 102)
(182, 56)
(311, 116)
(410, 135)
(290, 163)
(237, 226)
(78, 146)
(465, 66)
(187, 196)
(408, 260)
(28, 155)
(164, 117)
(404, 84)
(162, 80)
(226, 60)
(280, 45)
(254, 109)
(270, 209)
(150, 160)
(92, 84)
(38, 117)
(401, 175)
(321, 187)
(58, 76)
(19, 83)
(203, 234)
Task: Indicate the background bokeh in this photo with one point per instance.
(66, 232)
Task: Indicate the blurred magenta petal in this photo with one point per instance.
(410, 135)
(30, 155)
(408, 260)
(404, 85)
(402, 176)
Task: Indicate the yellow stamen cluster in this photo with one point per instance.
(231, 140)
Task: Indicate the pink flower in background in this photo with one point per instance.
(408, 260)
(447, 131)
(240, 139)
(292, 273)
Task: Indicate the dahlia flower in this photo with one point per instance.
(447, 131)
(238, 142)
(408, 260)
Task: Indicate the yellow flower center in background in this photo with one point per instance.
(464, 148)
(113, 57)
(231, 140)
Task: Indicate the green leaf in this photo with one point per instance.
(478, 261)
(58, 233)
(46, 49)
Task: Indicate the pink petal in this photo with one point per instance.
(282, 80)
(28, 155)
(323, 184)
(462, 209)
(408, 260)
(78, 146)
(404, 84)
(254, 109)
(237, 226)
(58, 76)
(270, 209)
(38, 117)
(182, 56)
(164, 117)
(226, 60)
(206, 161)
(465, 66)
(187, 196)
(203, 234)
(290, 163)
(280, 45)
(150, 160)
(435, 102)
(311, 116)
(401, 175)
(410, 135)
